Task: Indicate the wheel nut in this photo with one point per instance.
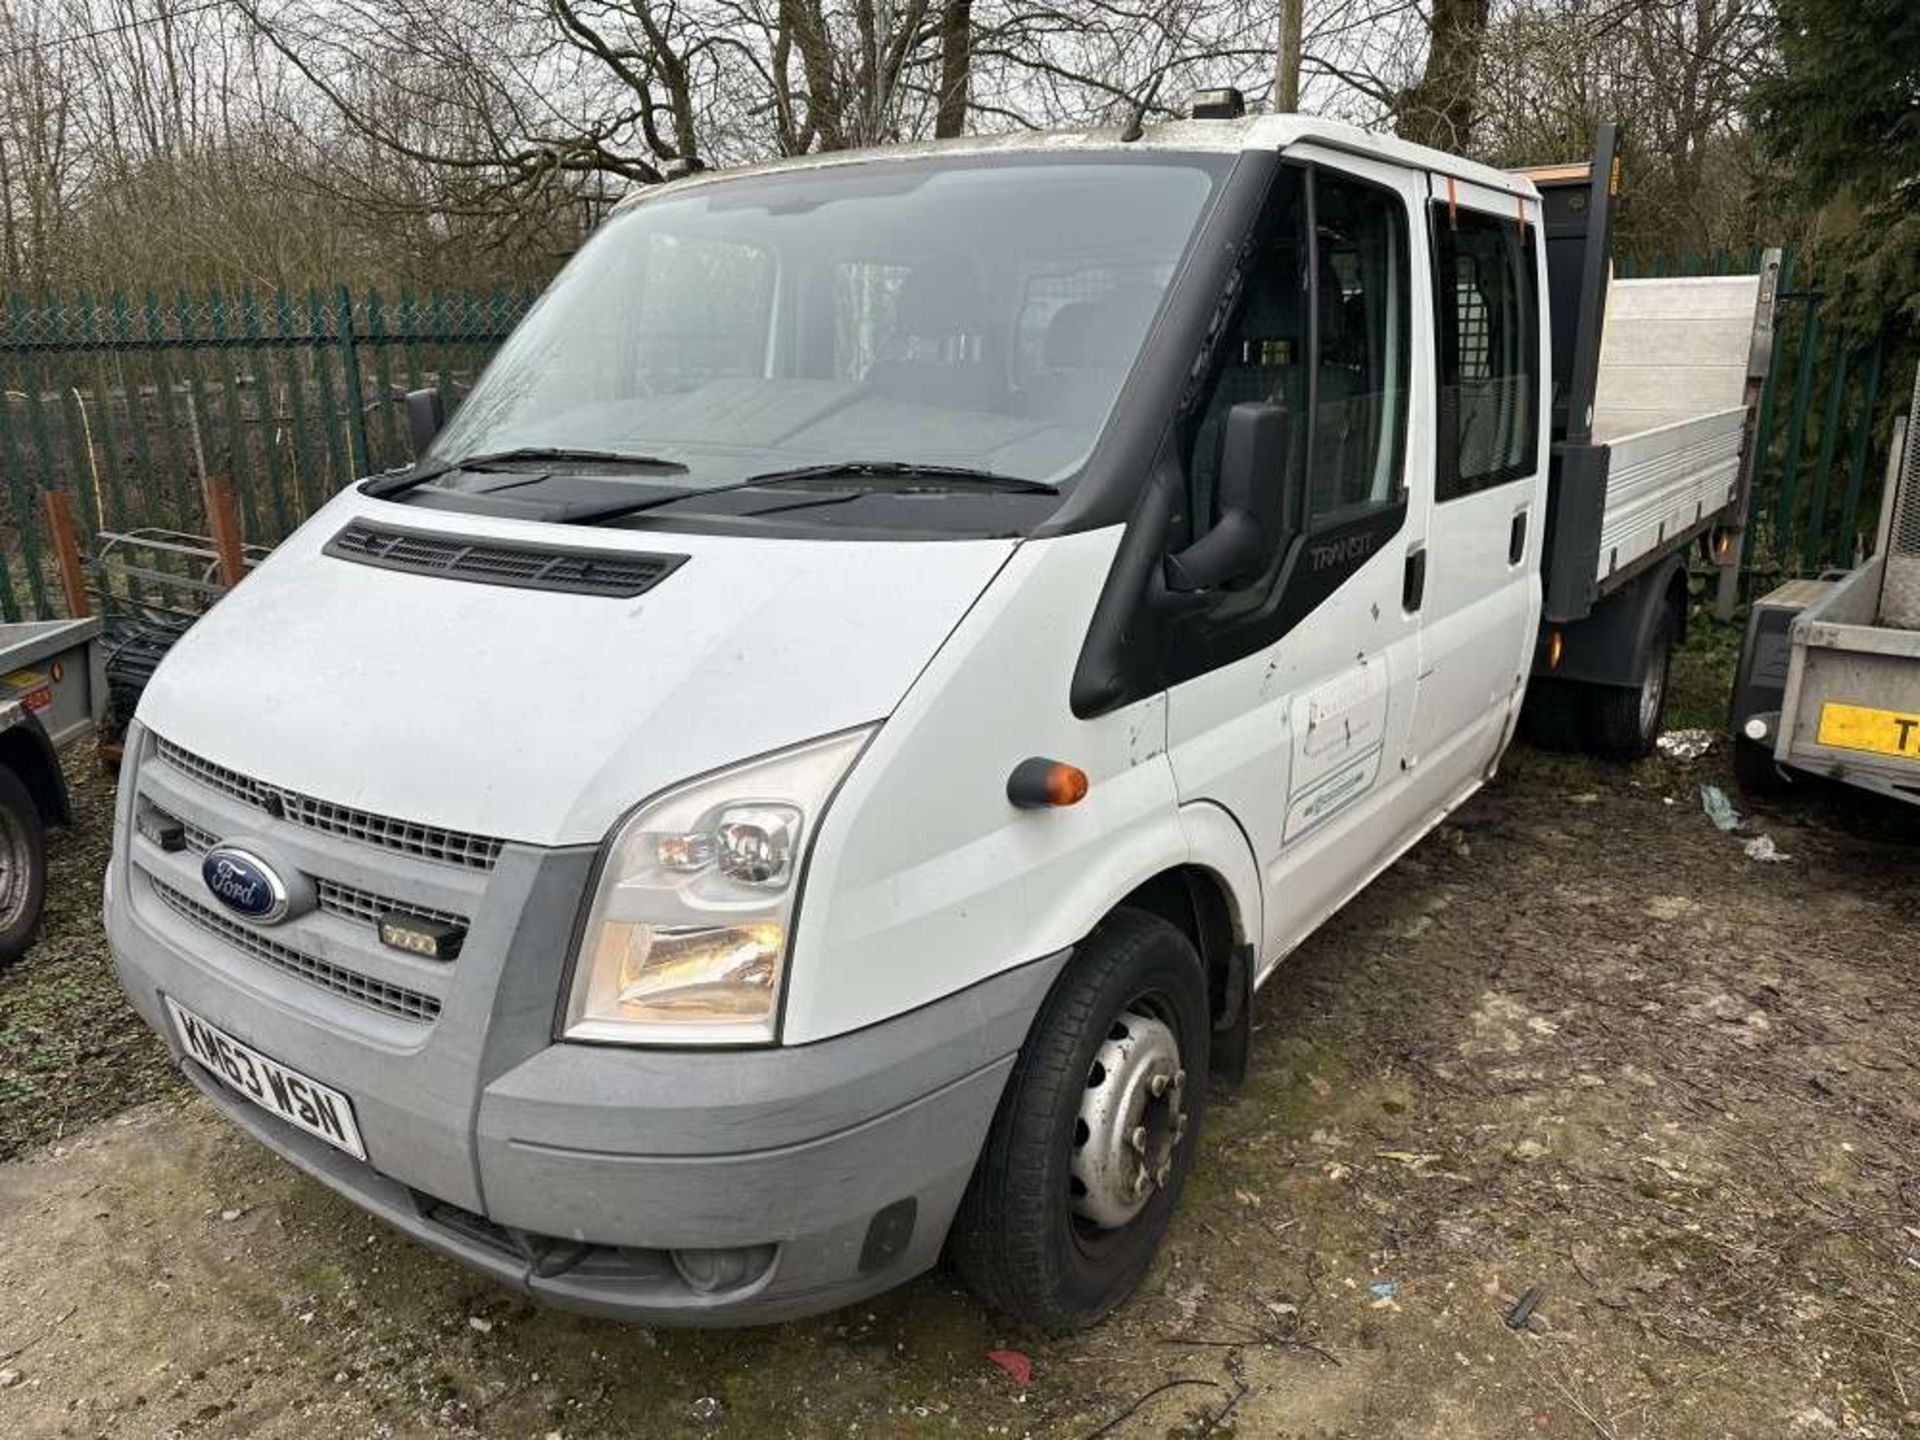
(1138, 1139)
(1160, 1175)
(1158, 1085)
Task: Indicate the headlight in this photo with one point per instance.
(686, 943)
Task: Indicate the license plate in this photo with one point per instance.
(1861, 727)
(318, 1109)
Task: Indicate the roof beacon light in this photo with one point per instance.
(1226, 103)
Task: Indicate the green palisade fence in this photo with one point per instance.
(125, 401)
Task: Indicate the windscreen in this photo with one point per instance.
(976, 311)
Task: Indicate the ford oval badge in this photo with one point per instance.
(245, 884)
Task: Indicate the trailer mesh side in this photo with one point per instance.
(1900, 586)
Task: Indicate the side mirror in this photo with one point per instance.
(1252, 503)
(425, 415)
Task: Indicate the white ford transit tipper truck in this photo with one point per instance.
(812, 766)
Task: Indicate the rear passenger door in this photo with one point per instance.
(1480, 603)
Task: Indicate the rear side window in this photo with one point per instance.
(1487, 297)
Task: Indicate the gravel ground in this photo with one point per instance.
(1577, 1046)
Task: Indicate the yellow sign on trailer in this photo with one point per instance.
(1863, 727)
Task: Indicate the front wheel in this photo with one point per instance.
(1095, 1132)
(23, 867)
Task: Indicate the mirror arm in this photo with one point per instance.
(1227, 552)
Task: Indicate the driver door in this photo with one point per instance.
(1294, 695)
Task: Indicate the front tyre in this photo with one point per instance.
(23, 867)
(1095, 1132)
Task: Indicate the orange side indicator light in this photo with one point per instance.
(1556, 644)
(1037, 782)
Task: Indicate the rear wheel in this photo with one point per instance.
(1623, 721)
(1095, 1132)
(23, 867)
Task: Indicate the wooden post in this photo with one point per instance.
(66, 551)
(223, 511)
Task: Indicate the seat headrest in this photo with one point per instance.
(1100, 333)
(938, 299)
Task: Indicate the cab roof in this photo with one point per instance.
(1224, 137)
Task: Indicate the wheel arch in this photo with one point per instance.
(27, 750)
(1607, 646)
(1212, 896)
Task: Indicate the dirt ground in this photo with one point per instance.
(1577, 1047)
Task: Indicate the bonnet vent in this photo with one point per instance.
(617, 574)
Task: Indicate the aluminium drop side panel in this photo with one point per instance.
(1662, 486)
(1671, 405)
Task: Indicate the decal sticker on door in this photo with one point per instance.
(1339, 733)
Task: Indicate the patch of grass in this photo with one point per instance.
(72, 1050)
(1701, 685)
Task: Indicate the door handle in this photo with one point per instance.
(1413, 586)
(1517, 539)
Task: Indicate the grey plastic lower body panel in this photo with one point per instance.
(573, 1171)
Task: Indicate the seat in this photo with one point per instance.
(1086, 352)
(937, 353)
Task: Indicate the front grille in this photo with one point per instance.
(349, 902)
(429, 842)
(352, 903)
(362, 989)
(615, 574)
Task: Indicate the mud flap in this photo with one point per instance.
(1233, 1026)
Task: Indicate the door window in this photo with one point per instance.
(1322, 332)
(1487, 297)
(1360, 374)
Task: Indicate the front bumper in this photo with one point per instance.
(818, 1174)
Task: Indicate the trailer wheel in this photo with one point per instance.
(1095, 1132)
(1757, 772)
(1623, 721)
(23, 867)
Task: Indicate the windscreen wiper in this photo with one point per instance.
(903, 470)
(391, 485)
(953, 476)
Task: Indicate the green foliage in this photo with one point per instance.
(1843, 112)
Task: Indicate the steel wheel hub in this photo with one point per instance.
(1131, 1118)
(16, 861)
(1652, 687)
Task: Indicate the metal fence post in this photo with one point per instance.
(350, 371)
(1862, 438)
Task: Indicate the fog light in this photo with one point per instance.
(161, 829)
(708, 1272)
(417, 935)
(1756, 728)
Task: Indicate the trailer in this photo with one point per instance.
(53, 692)
(1829, 677)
